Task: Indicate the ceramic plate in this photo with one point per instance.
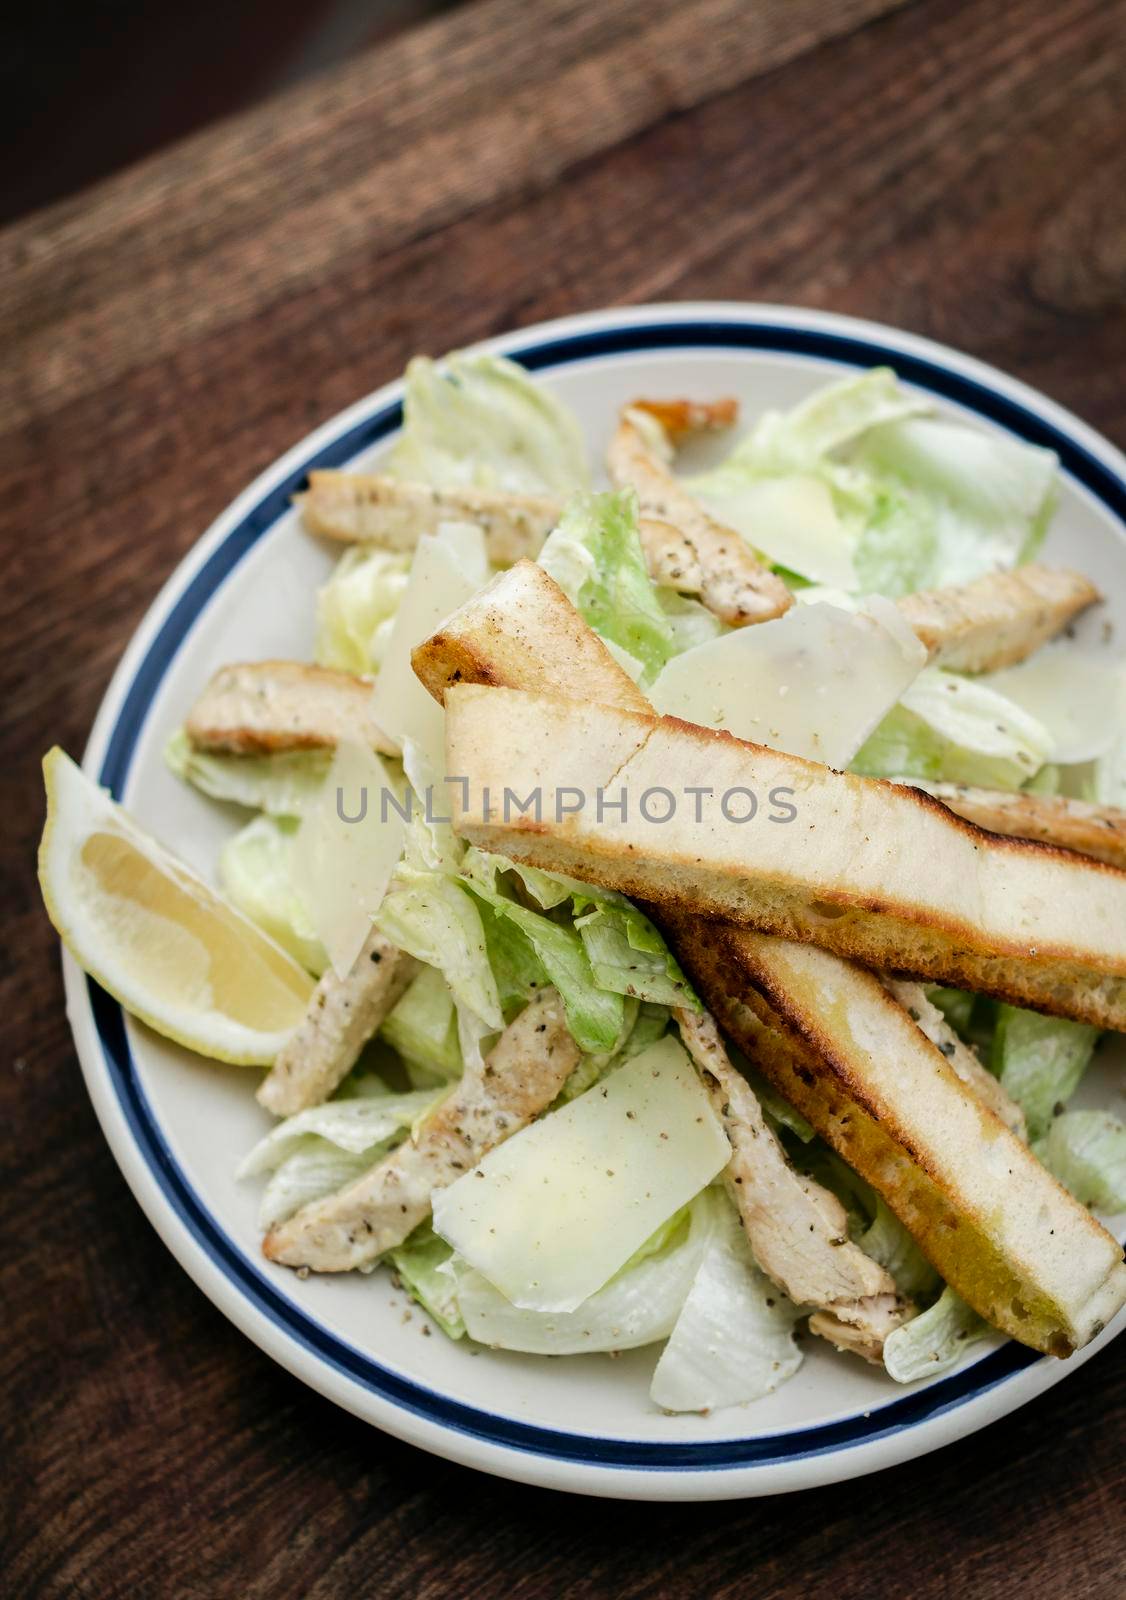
(178, 1125)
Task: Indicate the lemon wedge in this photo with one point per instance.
(152, 933)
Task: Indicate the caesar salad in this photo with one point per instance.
(674, 914)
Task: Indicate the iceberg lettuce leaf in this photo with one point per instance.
(256, 873)
(956, 730)
(421, 1262)
(1086, 1151)
(1040, 1061)
(934, 1341)
(422, 1026)
(357, 606)
(481, 420)
(284, 785)
(596, 558)
(734, 1338)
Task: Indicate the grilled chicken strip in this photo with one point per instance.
(913, 998)
(997, 620)
(682, 418)
(342, 1016)
(368, 508)
(261, 707)
(1098, 831)
(703, 557)
(797, 1229)
(520, 1077)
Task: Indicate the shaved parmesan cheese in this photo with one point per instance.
(813, 683)
(1071, 692)
(444, 575)
(346, 850)
(792, 520)
(551, 1215)
(466, 543)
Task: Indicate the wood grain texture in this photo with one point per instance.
(951, 166)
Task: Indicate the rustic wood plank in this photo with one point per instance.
(954, 167)
(393, 147)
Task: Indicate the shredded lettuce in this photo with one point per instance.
(421, 1262)
(422, 1027)
(355, 1125)
(595, 556)
(689, 622)
(1086, 1151)
(778, 1111)
(887, 1241)
(284, 785)
(357, 606)
(480, 420)
(431, 916)
(626, 951)
(644, 1025)
(892, 499)
(1040, 1061)
(314, 1169)
(934, 1341)
(956, 1006)
(428, 912)
(319, 1151)
(595, 1016)
(629, 956)
(734, 1338)
(990, 496)
(256, 873)
(956, 730)
(1046, 781)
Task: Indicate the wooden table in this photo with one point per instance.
(954, 168)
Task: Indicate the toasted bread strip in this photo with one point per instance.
(999, 619)
(521, 1076)
(965, 1062)
(369, 508)
(789, 985)
(262, 707)
(725, 572)
(863, 867)
(1098, 831)
(992, 1220)
(521, 630)
(341, 1018)
(796, 1228)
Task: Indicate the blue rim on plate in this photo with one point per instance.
(773, 1449)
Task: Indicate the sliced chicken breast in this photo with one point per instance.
(519, 1078)
(714, 562)
(797, 1229)
(997, 620)
(368, 508)
(262, 707)
(913, 998)
(342, 1016)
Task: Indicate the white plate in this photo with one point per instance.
(178, 1125)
